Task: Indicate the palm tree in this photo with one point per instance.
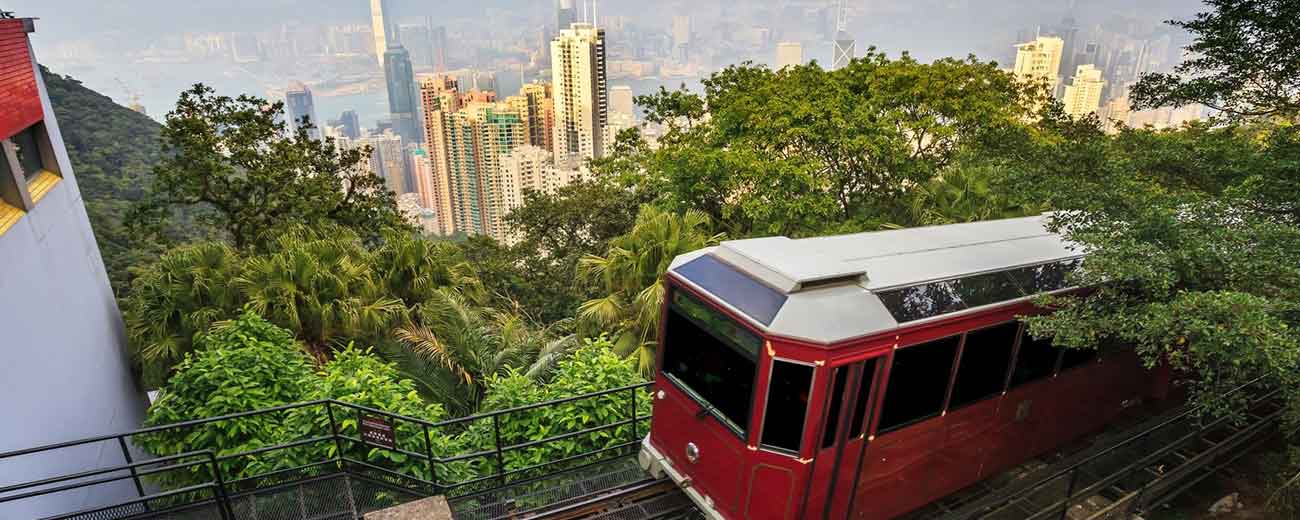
(451, 348)
(964, 193)
(412, 268)
(176, 299)
(632, 276)
(322, 288)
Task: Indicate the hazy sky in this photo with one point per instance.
(928, 26)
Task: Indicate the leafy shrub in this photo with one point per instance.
(246, 364)
(592, 368)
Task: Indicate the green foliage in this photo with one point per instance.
(592, 368)
(233, 156)
(805, 151)
(632, 276)
(1241, 62)
(113, 151)
(247, 364)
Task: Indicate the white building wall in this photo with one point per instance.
(65, 373)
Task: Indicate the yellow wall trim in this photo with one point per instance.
(42, 184)
(9, 216)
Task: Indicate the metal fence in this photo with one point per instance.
(353, 459)
(1136, 474)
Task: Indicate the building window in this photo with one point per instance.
(28, 169)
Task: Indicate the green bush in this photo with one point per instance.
(246, 364)
(592, 368)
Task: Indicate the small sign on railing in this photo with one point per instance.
(377, 431)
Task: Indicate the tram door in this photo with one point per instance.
(842, 440)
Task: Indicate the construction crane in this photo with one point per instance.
(133, 95)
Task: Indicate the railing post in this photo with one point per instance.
(634, 429)
(428, 453)
(1069, 493)
(223, 500)
(496, 434)
(135, 476)
(334, 432)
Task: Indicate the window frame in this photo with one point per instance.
(15, 184)
(744, 429)
(767, 394)
(1006, 370)
(879, 413)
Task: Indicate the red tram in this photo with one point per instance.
(865, 375)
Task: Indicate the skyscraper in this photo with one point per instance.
(536, 105)
(681, 37)
(438, 98)
(387, 160)
(403, 101)
(300, 108)
(1040, 61)
(581, 93)
(1083, 96)
(844, 47)
(565, 15)
(351, 124)
(379, 24)
(439, 35)
(788, 54)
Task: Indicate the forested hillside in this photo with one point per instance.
(113, 151)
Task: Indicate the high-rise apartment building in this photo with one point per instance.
(351, 124)
(403, 99)
(387, 159)
(423, 174)
(1039, 61)
(66, 373)
(379, 22)
(536, 105)
(581, 93)
(300, 108)
(788, 54)
(524, 169)
(478, 135)
(1083, 95)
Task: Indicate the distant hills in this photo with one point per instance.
(113, 151)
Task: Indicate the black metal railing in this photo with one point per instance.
(503, 450)
(1139, 472)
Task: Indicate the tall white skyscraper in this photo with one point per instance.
(581, 93)
(788, 54)
(1040, 61)
(1083, 95)
(378, 23)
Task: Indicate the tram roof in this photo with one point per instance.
(835, 288)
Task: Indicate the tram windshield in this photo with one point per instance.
(712, 357)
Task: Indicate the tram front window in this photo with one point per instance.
(712, 357)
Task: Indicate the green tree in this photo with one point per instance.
(234, 156)
(592, 368)
(246, 364)
(455, 347)
(805, 151)
(1242, 62)
(631, 273)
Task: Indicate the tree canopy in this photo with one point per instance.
(236, 157)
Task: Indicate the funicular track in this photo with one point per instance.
(1141, 469)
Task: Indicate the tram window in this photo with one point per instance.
(1073, 357)
(1036, 360)
(918, 382)
(984, 361)
(701, 356)
(787, 405)
(864, 394)
(833, 412)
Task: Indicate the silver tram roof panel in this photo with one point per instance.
(830, 289)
